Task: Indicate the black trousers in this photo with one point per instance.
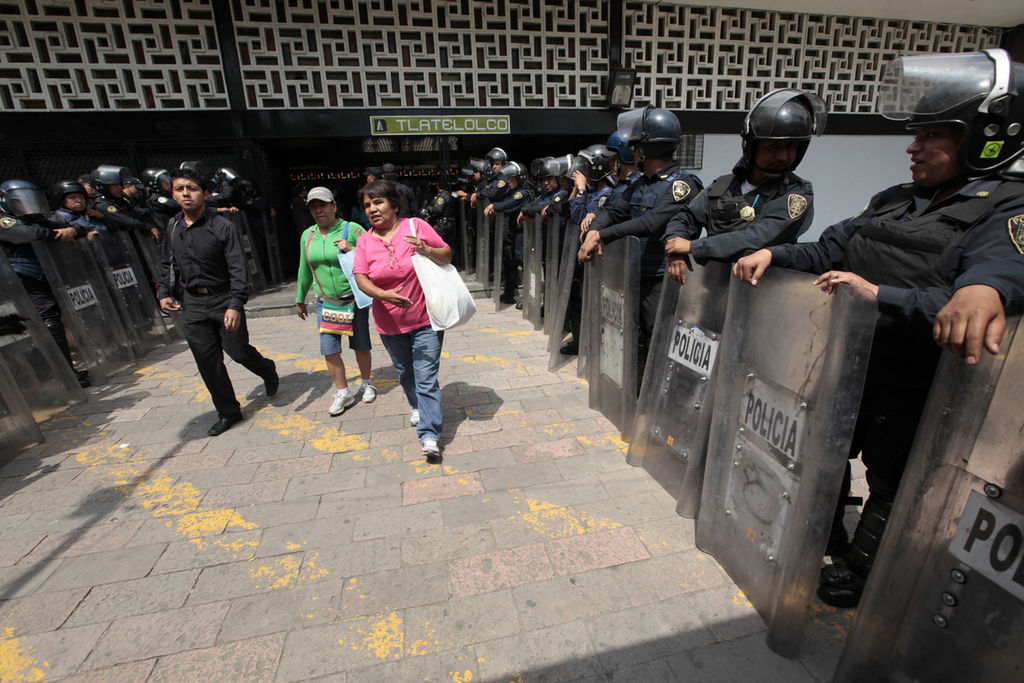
(209, 341)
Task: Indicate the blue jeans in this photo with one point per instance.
(416, 356)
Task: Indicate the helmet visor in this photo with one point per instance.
(932, 84)
(579, 163)
(629, 121)
(27, 201)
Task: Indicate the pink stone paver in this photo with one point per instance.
(549, 450)
(502, 569)
(295, 467)
(594, 551)
(436, 488)
(243, 661)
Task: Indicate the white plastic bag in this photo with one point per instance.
(449, 302)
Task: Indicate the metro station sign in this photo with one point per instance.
(440, 125)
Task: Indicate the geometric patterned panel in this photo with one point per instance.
(422, 53)
(719, 59)
(109, 55)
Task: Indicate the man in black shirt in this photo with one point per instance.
(203, 253)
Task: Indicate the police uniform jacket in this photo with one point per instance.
(494, 191)
(587, 203)
(17, 236)
(645, 209)
(81, 222)
(537, 204)
(514, 201)
(775, 212)
(916, 253)
(120, 214)
(161, 208)
(207, 254)
(409, 206)
(560, 205)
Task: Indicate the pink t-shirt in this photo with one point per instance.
(387, 270)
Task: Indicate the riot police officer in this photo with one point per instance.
(625, 163)
(512, 175)
(762, 202)
(594, 179)
(118, 213)
(22, 210)
(960, 222)
(159, 203)
(440, 213)
(73, 209)
(494, 188)
(410, 207)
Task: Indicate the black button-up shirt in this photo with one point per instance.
(207, 253)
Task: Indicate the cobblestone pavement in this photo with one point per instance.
(298, 546)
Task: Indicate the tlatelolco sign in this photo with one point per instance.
(438, 125)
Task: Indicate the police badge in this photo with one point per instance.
(680, 190)
(501, 183)
(1016, 227)
(795, 205)
(111, 209)
(8, 222)
(517, 195)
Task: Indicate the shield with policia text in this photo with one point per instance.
(498, 247)
(88, 310)
(791, 373)
(43, 376)
(484, 231)
(673, 417)
(945, 597)
(611, 321)
(466, 256)
(533, 273)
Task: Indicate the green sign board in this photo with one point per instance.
(439, 125)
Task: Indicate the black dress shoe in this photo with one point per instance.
(223, 424)
(271, 383)
(570, 349)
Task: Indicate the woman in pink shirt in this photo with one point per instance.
(384, 271)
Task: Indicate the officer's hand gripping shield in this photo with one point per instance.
(611, 322)
(533, 272)
(792, 364)
(945, 597)
(673, 419)
(87, 308)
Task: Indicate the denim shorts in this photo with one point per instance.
(360, 339)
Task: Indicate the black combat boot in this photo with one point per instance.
(842, 582)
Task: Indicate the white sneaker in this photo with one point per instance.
(414, 417)
(430, 447)
(369, 393)
(341, 403)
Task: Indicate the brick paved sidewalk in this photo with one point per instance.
(297, 546)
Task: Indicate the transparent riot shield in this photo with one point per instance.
(566, 292)
(88, 310)
(150, 253)
(273, 250)
(499, 277)
(18, 427)
(792, 363)
(253, 264)
(553, 252)
(611, 319)
(945, 597)
(130, 291)
(533, 274)
(484, 229)
(465, 253)
(588, 335)
(44, 378)
(673, 417)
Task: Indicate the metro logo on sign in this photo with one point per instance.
(990, 539)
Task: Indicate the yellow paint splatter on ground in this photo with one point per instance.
(177, 382)
(320, 436)
(559, 429)
(740, 599)
(609, 440)
(497, 362)
(283, 573)
(514, 334)
(422, 467)
(384, 636)
(835, 621)
(15, 663)
(423, 646)
(461, 676)
(557, 521)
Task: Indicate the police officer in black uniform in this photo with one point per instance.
(23, 207)
(158, 196)
(762, 202)
(960, 222)
(646, 206)
(117, 211)
(512, 175)
(73, 209)
(625, 165)
(440, 213)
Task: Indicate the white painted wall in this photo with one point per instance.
(846, 171)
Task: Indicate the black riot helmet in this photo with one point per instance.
(198, 171)
(651, 132)
(22, 199)
(65, 187)
(107, 174)
(597, 163)
(512, 169)
(154, 178)
(784, 114)
(497, 155)
(537, 167)
(977, 92)
(618, 142)
(224, 175)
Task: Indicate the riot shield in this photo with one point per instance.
(253, 264)
(566, 271)
(945, 597)
(130, 291)
(150, 253)
(612, 318)
(586, 332)
(88, 310)
(44, 378)
(468, 264)
(533, 283)
(499, 277)
(18, 428)
(273, 250)
(484, 228)
(670, 433)
(553, 251)
(792, 371)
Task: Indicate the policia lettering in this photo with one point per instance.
(773, 415)
(693, 349)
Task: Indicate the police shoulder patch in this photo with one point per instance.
(501, 183)
(111, 209)
(680, 190)
(1016, 228)
(602, 200)
(7, 222)
(162, 200)
(796, 204)
(440, 201)
(517, 195)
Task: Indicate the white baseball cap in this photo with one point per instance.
(321, 193)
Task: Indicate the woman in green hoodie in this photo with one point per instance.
(319, 247)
